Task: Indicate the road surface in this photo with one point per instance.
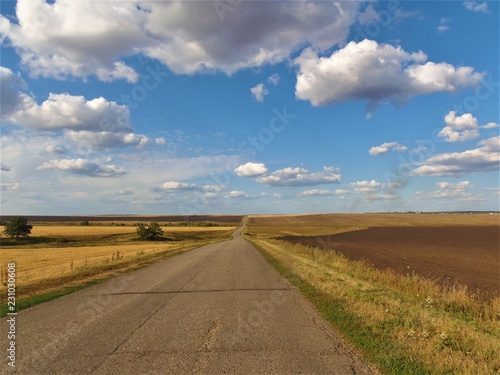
(219, 309)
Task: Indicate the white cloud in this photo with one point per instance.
(443, 24)
(53, 149)
(51, 42)
(458, 185)
(384, 148)
(448, 191)
(160, 141)
(251, 169)
(476, 7)
(320, 193)
(375, 72)
(83, 167)
(274, 79)
(173, 186)
(64, 111)
(490, 125)
(456, 164)
(289, 177)
(259, 92)
(97, 124)
(366, 186)
(315, 192)
(108, 140)
(341, 191)
(235, 194)
(459, 129)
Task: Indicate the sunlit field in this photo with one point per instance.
(406, 323)
(55, 256)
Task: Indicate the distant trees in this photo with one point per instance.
(149, 232)
(18, 227)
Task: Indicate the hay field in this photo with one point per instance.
(37, 264)
(55, 256)
(65, 230)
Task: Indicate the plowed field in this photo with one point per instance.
(453, 255)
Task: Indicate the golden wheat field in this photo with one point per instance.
(61, 251)
(66, 230)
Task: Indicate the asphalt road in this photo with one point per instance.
(219, 309)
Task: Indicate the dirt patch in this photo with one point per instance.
(464, 255)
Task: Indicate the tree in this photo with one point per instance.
(149, 232)
(18, 226)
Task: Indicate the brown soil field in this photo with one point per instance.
(452, 255)
(129, 218)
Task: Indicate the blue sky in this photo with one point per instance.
(248, 107)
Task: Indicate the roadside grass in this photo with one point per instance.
(45, 273)
(402, 324)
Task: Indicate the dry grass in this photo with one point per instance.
(65, 230)
(449, 331)
(446, 331)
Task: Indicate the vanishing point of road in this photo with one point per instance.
(219, 309)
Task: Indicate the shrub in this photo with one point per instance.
(149, 232)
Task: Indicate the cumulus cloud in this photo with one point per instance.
(55, 45)
(366, 186)
(384, 148)
(83, 167)
(476, 7)
(64, 111)
(289, 177)
(459, 128)
(51, 42)
(375, 72)
(98, 123)
(259, 92)
(251, 169)
(12, 99)
(483, 159)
